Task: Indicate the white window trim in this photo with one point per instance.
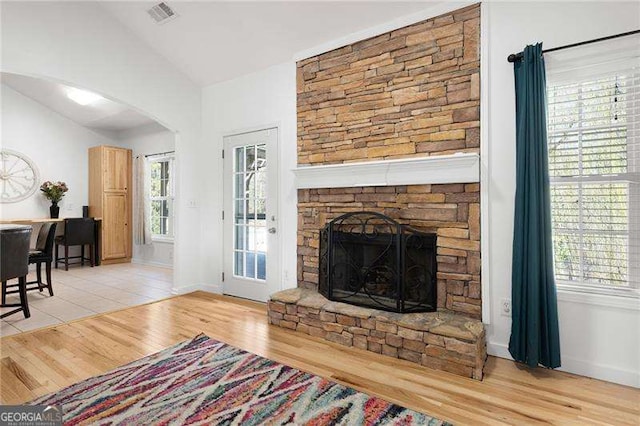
(587, 288)
(579, 295)
(160, 237)
(574, 66)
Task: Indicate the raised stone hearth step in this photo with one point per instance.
(441, 340)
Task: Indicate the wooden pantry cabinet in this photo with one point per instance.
(110, 170)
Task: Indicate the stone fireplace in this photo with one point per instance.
(451, 211)
(390, 125)
(368, 259)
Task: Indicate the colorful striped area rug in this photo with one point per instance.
(203, 381)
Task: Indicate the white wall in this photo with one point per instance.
(596, 340)
(146, 140)
(79, 44)
(58, 147)
(254, 101)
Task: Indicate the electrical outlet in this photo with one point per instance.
(70, 206)
(505, 305)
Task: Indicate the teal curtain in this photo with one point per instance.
(534, 330)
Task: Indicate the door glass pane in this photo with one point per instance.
(240, 237)
(250, 229)
(261, 208)
(251, 208)
(239, 157)
(250, 158)
(240, 211)
(261, 250)
(262, 266)
(238, 267)
(238, 184)
(261, 155)
(250, 265)
(260, 184)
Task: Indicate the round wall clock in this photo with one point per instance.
(18, 176)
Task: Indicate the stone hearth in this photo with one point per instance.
(441, 340)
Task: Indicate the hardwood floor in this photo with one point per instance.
(45, 360)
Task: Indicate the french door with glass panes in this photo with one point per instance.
(250, 214)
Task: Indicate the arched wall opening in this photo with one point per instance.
(88, 49)
(53, 126)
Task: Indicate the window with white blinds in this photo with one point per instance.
(161, 197)
(594, 168)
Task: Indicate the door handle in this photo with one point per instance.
(272, 230)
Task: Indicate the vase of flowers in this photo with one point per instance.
(54, 191)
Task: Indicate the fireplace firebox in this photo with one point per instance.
(368, 259)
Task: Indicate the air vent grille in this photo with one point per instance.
(162, 13)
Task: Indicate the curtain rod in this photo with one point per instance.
(518, 56)
(160, 153)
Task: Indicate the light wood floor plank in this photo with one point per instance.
(45, 360)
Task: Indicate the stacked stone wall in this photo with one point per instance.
(411, 92)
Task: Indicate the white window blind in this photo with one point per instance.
(594, 168)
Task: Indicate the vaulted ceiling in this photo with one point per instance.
(215, 41)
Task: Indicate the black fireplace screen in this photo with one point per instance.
(369, 259)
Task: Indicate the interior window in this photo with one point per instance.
(161, 198)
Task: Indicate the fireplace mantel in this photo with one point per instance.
(437, 169)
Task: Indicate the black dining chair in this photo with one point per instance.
(43, 253)
(14, 263)
(77, 232)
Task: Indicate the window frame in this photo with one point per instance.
(580, 287)
(166, 238)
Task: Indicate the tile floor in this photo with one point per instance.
(85, 291)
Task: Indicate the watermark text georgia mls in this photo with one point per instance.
(30, 415)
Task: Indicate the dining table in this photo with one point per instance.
(60, 229)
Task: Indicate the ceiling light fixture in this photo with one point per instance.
(82, 96)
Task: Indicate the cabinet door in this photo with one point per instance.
(116, 169)
(115, 226)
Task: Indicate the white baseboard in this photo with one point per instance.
(580, 367)
(151, 263)
(185, 289)
(499, 350)
(210, 288)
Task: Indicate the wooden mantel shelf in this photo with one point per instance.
(437, 169)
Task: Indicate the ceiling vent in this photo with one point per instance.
(162, 13)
